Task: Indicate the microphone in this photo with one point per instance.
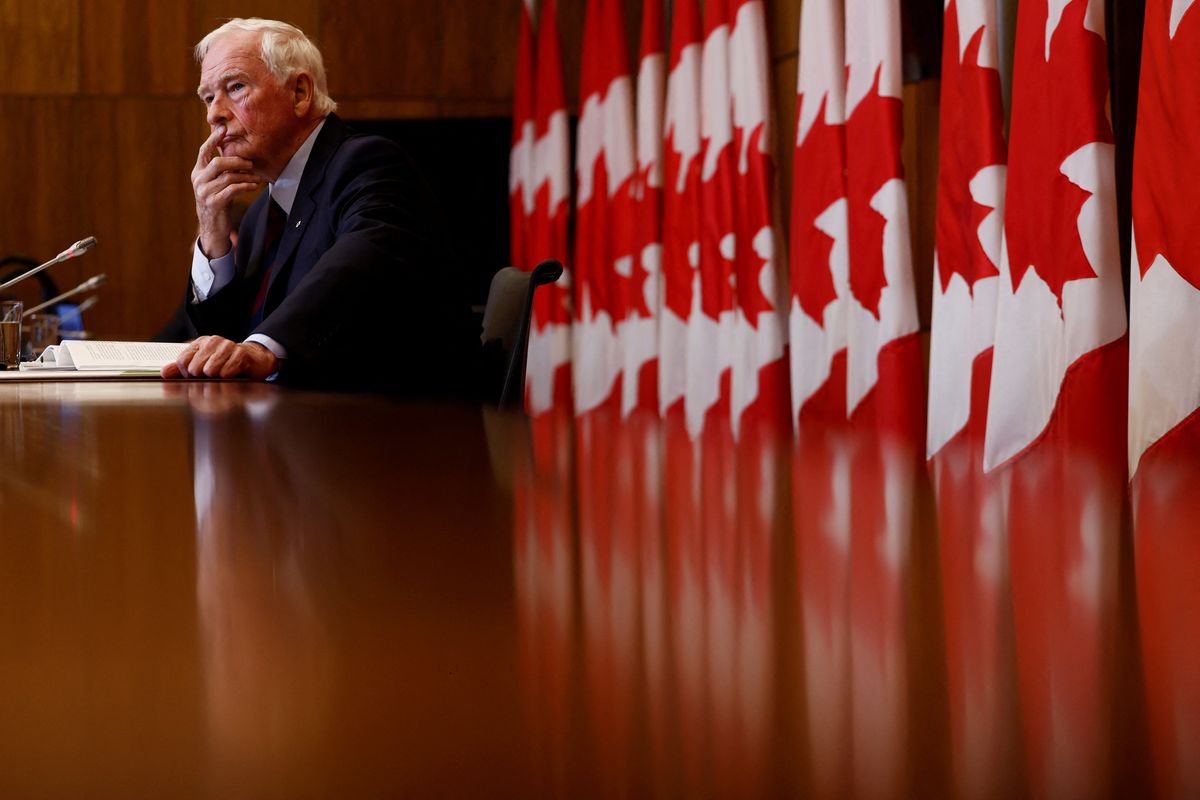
(78, 310)
(77, 249)
(94, 282)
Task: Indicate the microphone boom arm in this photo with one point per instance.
(94, 282)
(75, 250)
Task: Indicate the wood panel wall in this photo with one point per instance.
(99, 122)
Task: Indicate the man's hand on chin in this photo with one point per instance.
(214, 357)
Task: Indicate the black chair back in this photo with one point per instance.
(506, 320)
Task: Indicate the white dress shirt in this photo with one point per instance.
(210, 276)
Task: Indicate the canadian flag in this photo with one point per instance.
(737, 332)
(759, 375)
(970, 213)
(1059, 363)
(1164, 384)
(548, 371)
(681, 206)
(638, 332)
(710, 322)
(520, 163)
(885, 386)
(604, 205)
(819, 236)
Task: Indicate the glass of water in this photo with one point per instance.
(10, 332)
(39, 332)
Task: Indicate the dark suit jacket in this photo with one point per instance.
(359, 272)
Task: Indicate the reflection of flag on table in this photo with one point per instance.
(1165, 508)
(543, 574)
(821, 518)
(1064, 515)
(973, 547)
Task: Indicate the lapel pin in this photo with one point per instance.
(298, 222)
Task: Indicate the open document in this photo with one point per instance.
(119, 358)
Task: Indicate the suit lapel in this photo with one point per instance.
(324, 147)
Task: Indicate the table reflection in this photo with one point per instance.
(825, 614)
(317, 542)
(235, 590)
(81, 553)
(268, 663)
(980, 656)
(1166, 508)
(1065, 517)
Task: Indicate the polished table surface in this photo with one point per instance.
(226, 590)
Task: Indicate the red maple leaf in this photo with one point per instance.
(716, 190)
(873, 135)
(647, 223)
(681, 207)
(752, 214)
(1058, 107)
(681, 227)
(819, 182)
(717, 222)
(972, 139)
(1166, 158)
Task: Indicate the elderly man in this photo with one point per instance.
(334, 254)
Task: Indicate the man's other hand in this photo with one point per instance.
(215, 357)
(216, 180)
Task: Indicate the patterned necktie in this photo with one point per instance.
(276, 220)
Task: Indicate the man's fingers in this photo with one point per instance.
(201, 351)
(208, 150)
(178, 368)
(221, 164)
(216, 196)
(210, 357)
(215, 357)
(227, 194)
(252, 360)
(215, 187)
(204, 185)
(236, 365)
(194, 366)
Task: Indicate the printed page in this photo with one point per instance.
(89, 355)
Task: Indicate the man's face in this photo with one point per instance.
(241, 94)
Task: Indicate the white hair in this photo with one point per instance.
(285, 51)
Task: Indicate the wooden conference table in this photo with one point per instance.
(225, 589)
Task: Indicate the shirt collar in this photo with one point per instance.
(283, 190)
